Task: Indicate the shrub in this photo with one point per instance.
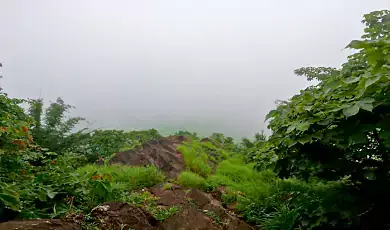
(190, 179)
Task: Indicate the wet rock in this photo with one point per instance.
(199, 198)
(216, 207)
(117, 215)
(189, 218)
(169, 197)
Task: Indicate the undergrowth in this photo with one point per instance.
(268, 201)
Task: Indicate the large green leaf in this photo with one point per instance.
(366, 103)
(50, 193)
(291, 128)
(371, 81)
(305, 139)
(351, 80)
(351, 110)
(10, 200)
(271, 114)
(303, 126)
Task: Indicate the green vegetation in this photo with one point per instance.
(164, 213)
(213, 215)
(196, 158)
(191, 179)
(325, 165)
(126, 176)
(148, 201)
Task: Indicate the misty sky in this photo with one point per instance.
(203, 65)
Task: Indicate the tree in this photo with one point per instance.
(340, 127)
(14, 125)
(51, 128)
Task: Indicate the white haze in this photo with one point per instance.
(204, 65)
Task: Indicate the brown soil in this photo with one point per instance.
(161, 153)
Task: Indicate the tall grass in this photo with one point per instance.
(126, 176)
(191, 179)
(196, 158)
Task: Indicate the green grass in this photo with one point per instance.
(195, 158)
(215, 181)
(270, 202)
(235, 172)
(191, 179)
(126, 177)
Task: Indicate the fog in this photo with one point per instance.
(205, 66)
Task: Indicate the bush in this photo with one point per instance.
(190, 179)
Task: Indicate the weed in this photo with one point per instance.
(167, 186)
(213, 215)
(141, 199)
(162, 213)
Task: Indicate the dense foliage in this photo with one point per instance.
(340, 128)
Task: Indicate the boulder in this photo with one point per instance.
(117, 215)
(161, 153)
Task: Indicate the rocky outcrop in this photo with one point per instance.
(161, 153)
